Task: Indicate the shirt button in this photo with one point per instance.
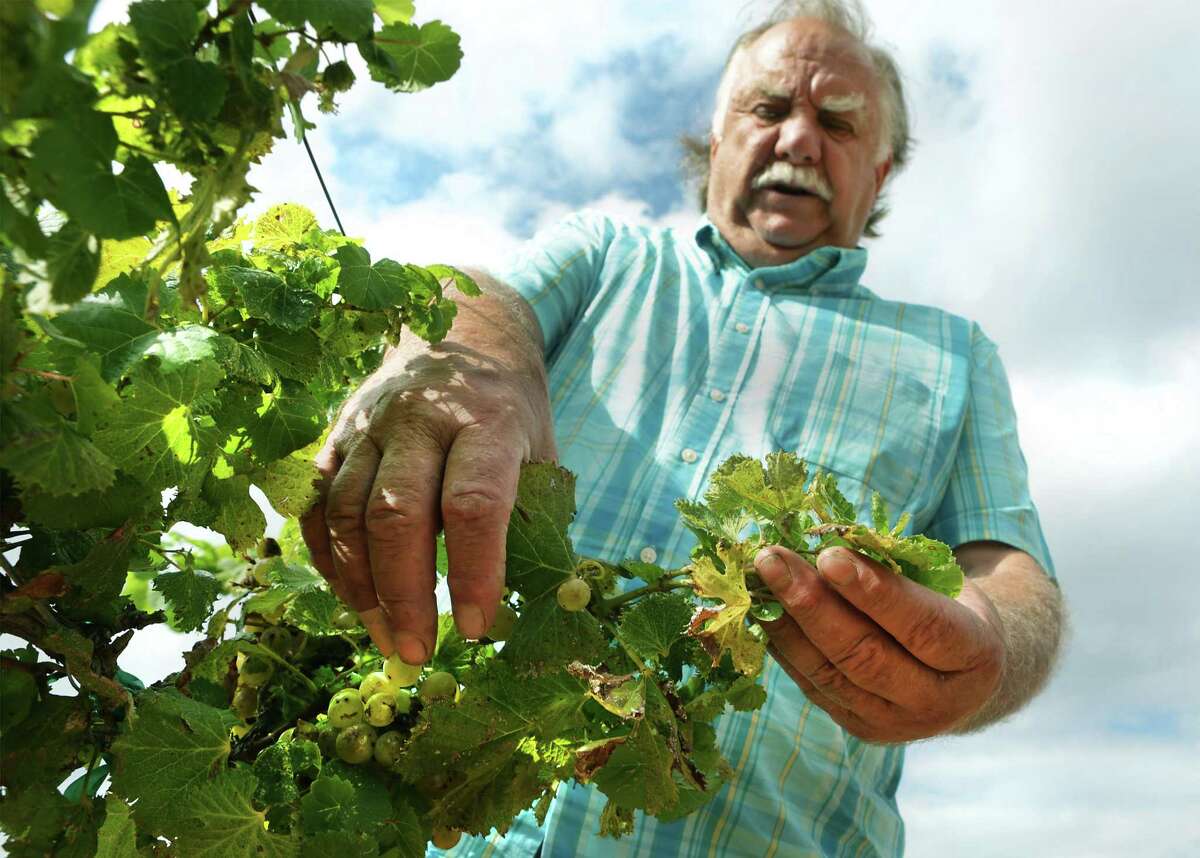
(648, 554)
(717, 396)
(742, 328)
(689, 455)
(758, 284)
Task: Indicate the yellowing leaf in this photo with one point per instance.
(724, 628)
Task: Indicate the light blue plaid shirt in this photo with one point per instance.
(667, 354)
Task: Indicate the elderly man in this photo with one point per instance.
(641, 358)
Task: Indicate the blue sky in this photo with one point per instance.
(1052, 196)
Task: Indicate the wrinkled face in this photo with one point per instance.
(793, 160)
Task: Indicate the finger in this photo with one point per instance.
(402, 523)
(937, 630)
(312, 523)
(345, 509)
(839, 713)
(478, 492)
(842, 648)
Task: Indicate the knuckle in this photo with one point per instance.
(828, 678)
(344, 520)
(389, 514)
(867, 657)
(802, 599)
(928, 632)
(471, 504)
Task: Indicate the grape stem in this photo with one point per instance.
(663, 585)
(263, 650)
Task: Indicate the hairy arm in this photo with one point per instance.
(1033, 623)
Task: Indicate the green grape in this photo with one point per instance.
(338, 76)
(574, 594)
(438, 686)
(388, 748)
(345, 709)
(277, 639)
(344, 619)
(307, 730)
(261, 572)
(374, 683)
(254, 670)
(403, 701)
(400, 672)
(446, 838)
(356, 744)
(381, 709)
(503, 623)
(245, 702)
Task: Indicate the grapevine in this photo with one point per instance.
(160, 355)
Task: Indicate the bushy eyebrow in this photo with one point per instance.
(854, 103)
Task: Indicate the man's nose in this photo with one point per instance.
(799, 140)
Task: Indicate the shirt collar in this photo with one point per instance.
(824, 271)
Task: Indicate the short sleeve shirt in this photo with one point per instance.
(666, 355)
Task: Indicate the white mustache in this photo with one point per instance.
(794, 176)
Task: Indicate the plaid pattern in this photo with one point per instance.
(667, 354)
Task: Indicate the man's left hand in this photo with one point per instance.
(888, 659)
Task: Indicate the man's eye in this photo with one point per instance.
(833, 123)
(764, 111)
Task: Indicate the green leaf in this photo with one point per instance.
(746, 694)
(127, 499)
(59, 462)
(381, 286)
(237, 517)
(461, 281)
(95, 583)
(290, 483)
(174, 746)
(166, 30)
(539, 552)
(284, 225)
(293, 420)
(18, 692)
(638, 774)
(546, 637)
(408, 58)
(278, 766)
(291, 354)
(330, 805)
(111, 324)
(74, 260)
(224, 823)
(654, 623)
(42, 749)
(117, 837)
(313, 610)
(350, 19)
(394, 11)
(268, 296)
(190, 595)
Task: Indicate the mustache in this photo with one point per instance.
(793, 176)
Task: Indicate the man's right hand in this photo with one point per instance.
(431, 441)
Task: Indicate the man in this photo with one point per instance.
(665, 353)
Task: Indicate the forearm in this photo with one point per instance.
(1032, 615)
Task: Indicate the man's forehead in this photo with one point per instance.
(805, 53)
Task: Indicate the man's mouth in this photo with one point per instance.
(790, 190)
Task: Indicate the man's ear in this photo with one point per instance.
(712, 146)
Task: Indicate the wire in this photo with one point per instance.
(312, 158)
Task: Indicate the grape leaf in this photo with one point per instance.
(237, 517)
(223, 822)
(370, 287)
(270, 297)
(175, 745)
(329, 805)
(293, 420)
(59, 462)
(290, 483)
(166, 30)
(111, 325)
(284, 225)
(291, 354)
(191, 595)
(41, 749)
(654, 623)
(407, 58)
(724, 628)
(95, 583)
(539, 552)
(638, 774)
(117, 837)
(278, 766)
(74, 260)
(351, 19)
(313, 611)
(546, 637)
(18, 692)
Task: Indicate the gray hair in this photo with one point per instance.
(850, 17)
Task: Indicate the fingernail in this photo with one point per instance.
(837, 567)
(772, 569)
(469, 619)
(411, 648)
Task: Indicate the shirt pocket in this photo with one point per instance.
(876, 434)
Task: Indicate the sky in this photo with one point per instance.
(1052, 196)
